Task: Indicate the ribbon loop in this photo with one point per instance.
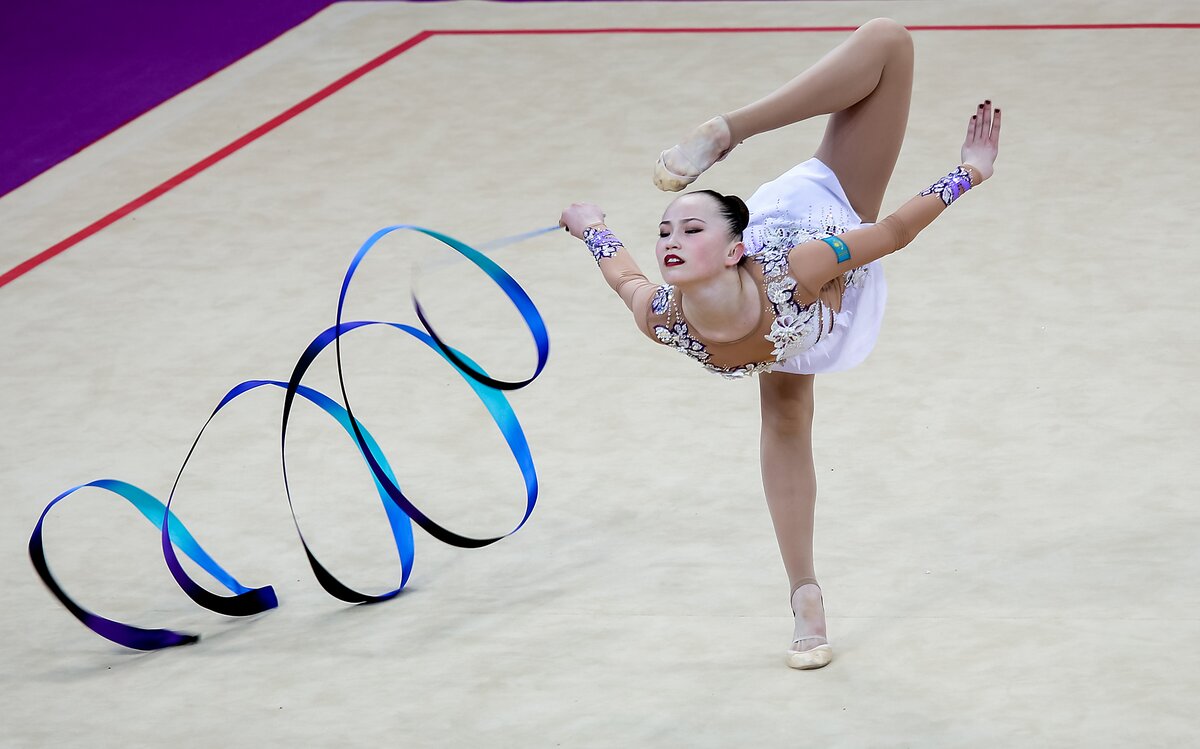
(401, 512)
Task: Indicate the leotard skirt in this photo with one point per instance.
(809, 203)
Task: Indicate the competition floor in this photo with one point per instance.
(1007, 526)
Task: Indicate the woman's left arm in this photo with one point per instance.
(816, 263)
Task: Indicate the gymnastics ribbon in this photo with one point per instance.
(401, 512)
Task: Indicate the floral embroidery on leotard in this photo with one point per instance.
(797, 327)
(780, 291)
(661, 299)
(678, 336)
(792, 333)
(736, 373)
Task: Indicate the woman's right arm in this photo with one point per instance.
(586, 221)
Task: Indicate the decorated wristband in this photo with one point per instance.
(602, 242)
(950, 187)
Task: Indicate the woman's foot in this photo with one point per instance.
(680, 165)
(810, 644)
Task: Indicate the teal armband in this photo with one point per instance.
(839, 248)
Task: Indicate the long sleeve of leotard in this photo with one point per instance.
(626, 278)
(814, 264)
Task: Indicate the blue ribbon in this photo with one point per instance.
(401, 512)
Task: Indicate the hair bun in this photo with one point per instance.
(733, 210)
(739, 213)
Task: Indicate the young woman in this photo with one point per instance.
(789, 286)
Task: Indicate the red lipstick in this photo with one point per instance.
(672, 260)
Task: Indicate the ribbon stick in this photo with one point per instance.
(400, 510)
(492, 246)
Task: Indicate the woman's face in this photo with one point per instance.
(693, 241)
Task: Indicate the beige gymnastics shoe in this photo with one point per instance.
(680, 165)
(817, 657)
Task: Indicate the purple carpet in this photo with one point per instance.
(72, 71)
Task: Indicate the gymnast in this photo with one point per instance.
(789, 285)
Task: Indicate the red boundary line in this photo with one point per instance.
(173, 182)
(213, 158)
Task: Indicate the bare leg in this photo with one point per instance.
(790, 483)
(865, 83)
(862, 142)
(788, 475)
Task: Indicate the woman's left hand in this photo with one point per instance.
(580, 216)
(983, 139)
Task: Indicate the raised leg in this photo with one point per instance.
(865, 83)
(790, 483)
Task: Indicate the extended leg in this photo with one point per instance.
(790, 483)
(865, 83)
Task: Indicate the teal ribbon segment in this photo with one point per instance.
(400, 510)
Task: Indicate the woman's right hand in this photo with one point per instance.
(983, 139)
(580, 216)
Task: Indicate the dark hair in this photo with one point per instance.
(733, 210)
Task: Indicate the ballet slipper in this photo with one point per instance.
(680, 165)
(817, 656)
